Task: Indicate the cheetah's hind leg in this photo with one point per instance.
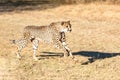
(21, 43)
(35, 47)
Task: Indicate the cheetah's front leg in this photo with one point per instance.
(65, 47)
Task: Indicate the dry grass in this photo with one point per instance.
(96, 31)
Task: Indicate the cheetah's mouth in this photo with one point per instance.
(70, 30)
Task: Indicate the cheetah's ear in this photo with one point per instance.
(51, 24)
(68, 21)
(62, 23)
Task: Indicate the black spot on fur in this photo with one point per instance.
(32, 39)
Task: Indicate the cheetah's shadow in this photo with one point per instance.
(93, 55)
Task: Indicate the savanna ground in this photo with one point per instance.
(94, 41)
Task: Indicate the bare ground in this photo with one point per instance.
(94, 42)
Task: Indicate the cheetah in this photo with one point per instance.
(51, 34)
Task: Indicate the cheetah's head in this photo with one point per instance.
(65, 26)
